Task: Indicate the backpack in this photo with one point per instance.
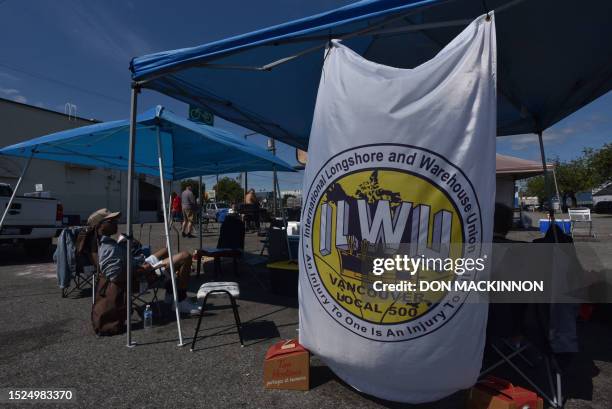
(109, 310)
(108, 313)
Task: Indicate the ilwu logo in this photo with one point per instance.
(363, 203)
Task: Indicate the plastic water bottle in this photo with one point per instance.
(148, 317)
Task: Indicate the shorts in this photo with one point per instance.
(188, 215)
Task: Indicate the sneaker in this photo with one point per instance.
(188, 307)
(183, 234)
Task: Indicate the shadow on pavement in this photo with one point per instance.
(16, 255)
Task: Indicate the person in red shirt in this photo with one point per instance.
(176, 207)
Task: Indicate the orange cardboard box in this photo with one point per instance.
(496, 393)
(287, 366)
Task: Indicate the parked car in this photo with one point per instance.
(216, 211)
(603, 207)
(32, 221)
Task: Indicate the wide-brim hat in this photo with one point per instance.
(100, 215)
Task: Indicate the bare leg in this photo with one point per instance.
(189, 227)
(161, 253)
(182, 266)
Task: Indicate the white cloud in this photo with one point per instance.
(14, 94)
(9, 91)
(552, 136)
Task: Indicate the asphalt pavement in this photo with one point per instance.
(47, 342)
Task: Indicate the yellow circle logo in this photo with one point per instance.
(379, 201)
(393, 207)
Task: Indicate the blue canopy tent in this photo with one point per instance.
(169, 146)
(191, 149)
(553, 58)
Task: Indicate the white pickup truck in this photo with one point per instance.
(31, 221)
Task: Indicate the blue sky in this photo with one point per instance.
(78, 52)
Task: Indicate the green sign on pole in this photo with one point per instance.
(198, 114)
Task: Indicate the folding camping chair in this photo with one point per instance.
(537, 342)
(85, 261)
(580, 217)
(229, 245)
(277, 244)
(83, 279)
(527, 322)
(137, 296)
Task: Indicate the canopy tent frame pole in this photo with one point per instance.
(283, 215)
(542, 154)
(543, 157)
(272, 148)
(200, 207)
(551, 213)
(168, 207)
(160, 156)
(556, 186)
(246, 182)
(130, 189)
(10, 202)
(217, 188)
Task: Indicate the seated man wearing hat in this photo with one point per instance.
(113, 255)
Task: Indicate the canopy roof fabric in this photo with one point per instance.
(517, 167)
(554, 56)
(189, 149)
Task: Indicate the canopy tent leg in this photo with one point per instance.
(10, 202)
(169, 206)
(168, 245)
(200, 207)
(246, 183)
(130, 190)
(544, 168)
(272, 148)
(543, 156)
(551, 212)
(283, 215)
(556, 185)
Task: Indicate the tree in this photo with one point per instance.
(535, 187)
(228, 190)
(590, 170)
(573, 176)
(600, 162)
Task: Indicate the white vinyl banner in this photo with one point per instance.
(398, 156)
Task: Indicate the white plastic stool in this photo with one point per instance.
(220, 287)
